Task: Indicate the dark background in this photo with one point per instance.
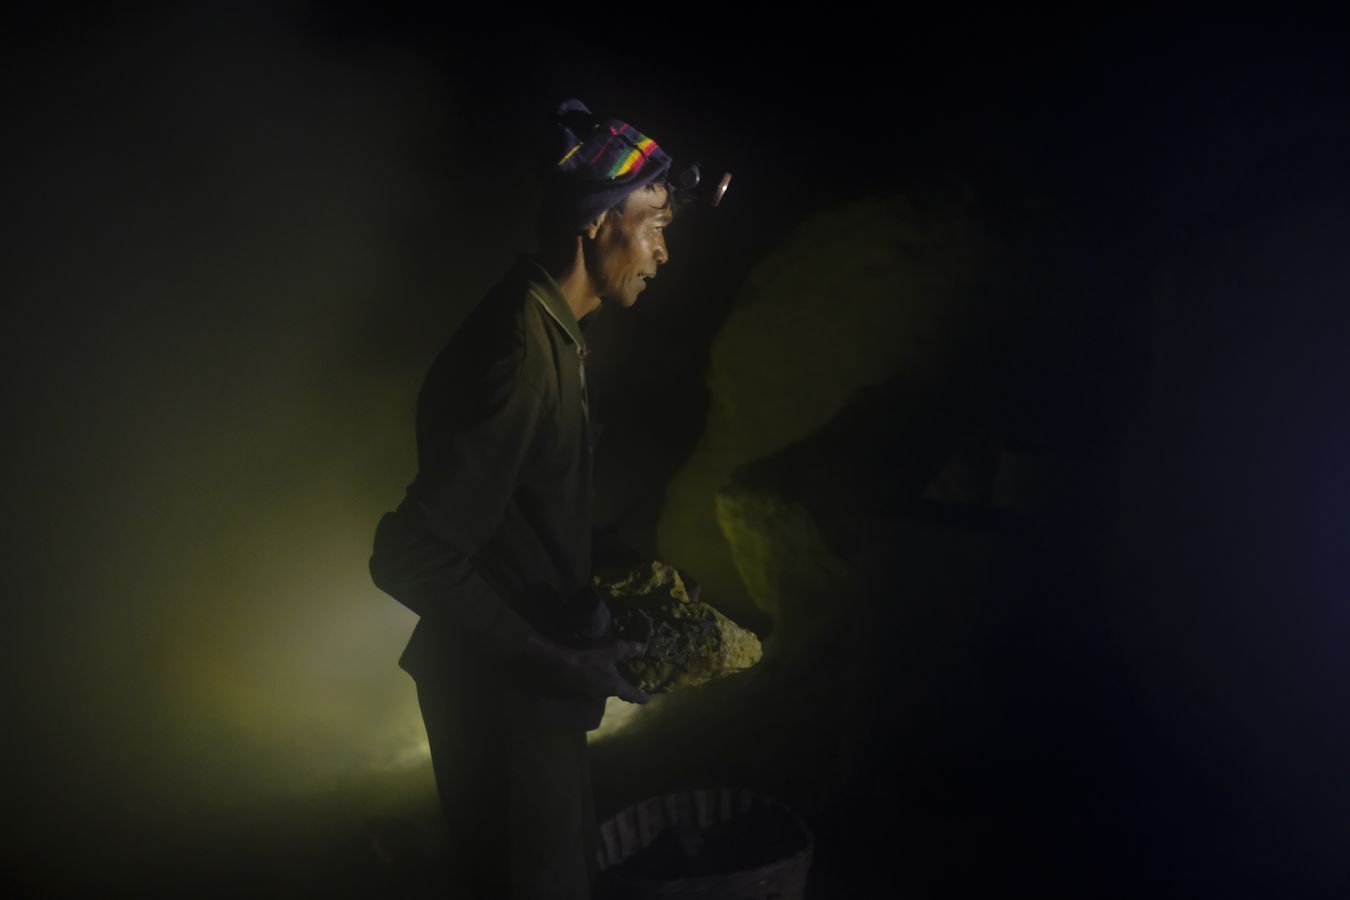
(236, 237)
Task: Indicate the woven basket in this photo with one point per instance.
(635, 828)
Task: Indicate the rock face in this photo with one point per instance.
(686, 641)
(875, 290)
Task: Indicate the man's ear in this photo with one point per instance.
(593, 228)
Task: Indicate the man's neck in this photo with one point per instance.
(572, 278)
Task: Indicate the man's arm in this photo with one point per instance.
(434, 579)
(474, 451)
(438, 581)
(424, 550)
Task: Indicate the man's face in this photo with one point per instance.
(630, 247)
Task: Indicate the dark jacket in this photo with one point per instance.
(493, 539)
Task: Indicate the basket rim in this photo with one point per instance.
(800, 858)
(695, 882)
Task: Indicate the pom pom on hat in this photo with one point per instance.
(597, 163)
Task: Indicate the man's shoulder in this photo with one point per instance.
(499, 320)
(504, 338)
(523, 297)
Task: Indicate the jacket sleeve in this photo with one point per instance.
(473, 457)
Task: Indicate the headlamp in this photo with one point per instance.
(688, 181)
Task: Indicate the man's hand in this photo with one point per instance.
(597, 675)
(588, 671)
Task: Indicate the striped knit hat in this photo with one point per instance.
(597, 163)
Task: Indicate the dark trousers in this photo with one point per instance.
(516, 794)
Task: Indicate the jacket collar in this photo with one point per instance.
(546, 291)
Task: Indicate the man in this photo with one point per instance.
(513, 655)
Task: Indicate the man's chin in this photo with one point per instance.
(619, 302)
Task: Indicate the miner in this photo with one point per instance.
(513, 654)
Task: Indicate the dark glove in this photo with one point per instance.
(586, 671)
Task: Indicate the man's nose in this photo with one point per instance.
(661, 254)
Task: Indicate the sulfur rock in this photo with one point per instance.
(686, 642)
